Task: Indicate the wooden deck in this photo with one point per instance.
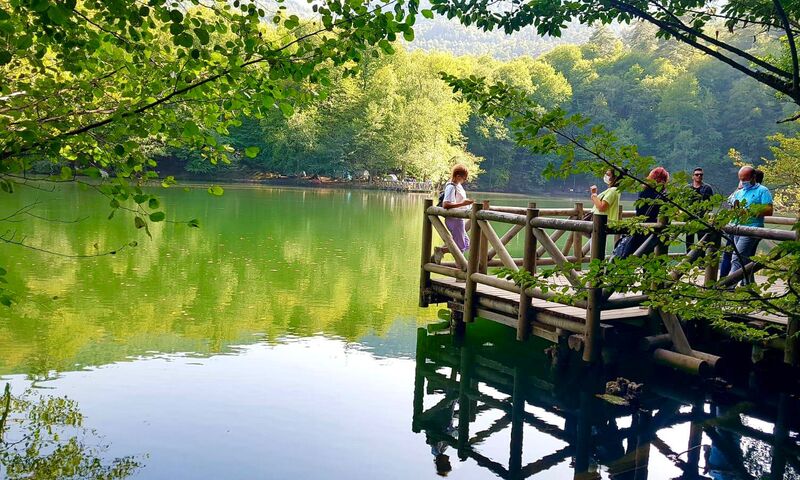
(470, 291)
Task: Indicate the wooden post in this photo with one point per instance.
(583, 432)
(419, 378)
(712, 268)
(427, 240)
(517, 423)
(695, 440)
(472, 264)
(591, 350)
(465, 370)
(529, 264)
(577, 237)
(792, 350)
(483, 266)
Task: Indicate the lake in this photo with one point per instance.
(282, 339)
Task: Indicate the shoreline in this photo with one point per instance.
(351, 185)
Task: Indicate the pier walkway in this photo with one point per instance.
(560, 237)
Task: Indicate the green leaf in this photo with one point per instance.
(139, 222)
(184, 40)
(3, 271)
(5, 57)
(168, 182)
(91, 172)
(66, 173)
(251, 152)
(202, 35)
(286, 108)
(194, 223)
(408, 35)
(57, 14)
(190, 129)
(157, 216)
(40, 5)
(427, 14)
(216, 190)
(176, 16)
(153, 203)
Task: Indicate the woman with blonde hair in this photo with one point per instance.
(454, 196)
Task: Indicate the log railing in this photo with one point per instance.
(490, 249)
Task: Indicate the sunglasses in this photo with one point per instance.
(698, 174)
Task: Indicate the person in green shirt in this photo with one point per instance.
(607, 202)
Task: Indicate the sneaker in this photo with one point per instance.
(438, 254)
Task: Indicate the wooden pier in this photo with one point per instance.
(470, 291)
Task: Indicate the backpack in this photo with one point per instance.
(440, 203)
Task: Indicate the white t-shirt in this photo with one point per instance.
(454, 193)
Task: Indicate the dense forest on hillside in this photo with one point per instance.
(396, 115)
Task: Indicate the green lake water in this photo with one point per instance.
(278, 340)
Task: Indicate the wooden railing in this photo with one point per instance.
(586, 241)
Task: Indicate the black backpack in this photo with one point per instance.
(441, 195)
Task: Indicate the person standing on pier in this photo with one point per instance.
(648, 206)
(704, 192)
(455, 197)
(607, 202)
(758, 200)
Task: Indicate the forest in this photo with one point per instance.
(396, 115)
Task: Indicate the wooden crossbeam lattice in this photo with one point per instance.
(445, 235)
(495, 242)
(511, 233)
(558, 257)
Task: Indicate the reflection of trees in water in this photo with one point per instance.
(44, 438)
(274, 262)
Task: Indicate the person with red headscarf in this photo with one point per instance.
(647, 206)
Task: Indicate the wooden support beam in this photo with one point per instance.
(682, 362)
(472, 266)
(577, 237)
(791, 352)
(591, 350)
(517, 422)
(483, 265)
(496, 282)
(446, 271)
(494, 240)
(511, 233)
(712, 268)
(529, 264)
(427, 241)
(692, 256)
(559, 257)
(554, 237)
(679, 341)
(494, 216)
(445, 235)
(562, 224)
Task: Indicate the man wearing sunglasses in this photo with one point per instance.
(704, 192)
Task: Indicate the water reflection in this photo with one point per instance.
(44, 437)
(518, 413)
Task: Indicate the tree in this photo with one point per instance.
(684, 20)
(44, 438)
(93, 85)
(784, 171)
